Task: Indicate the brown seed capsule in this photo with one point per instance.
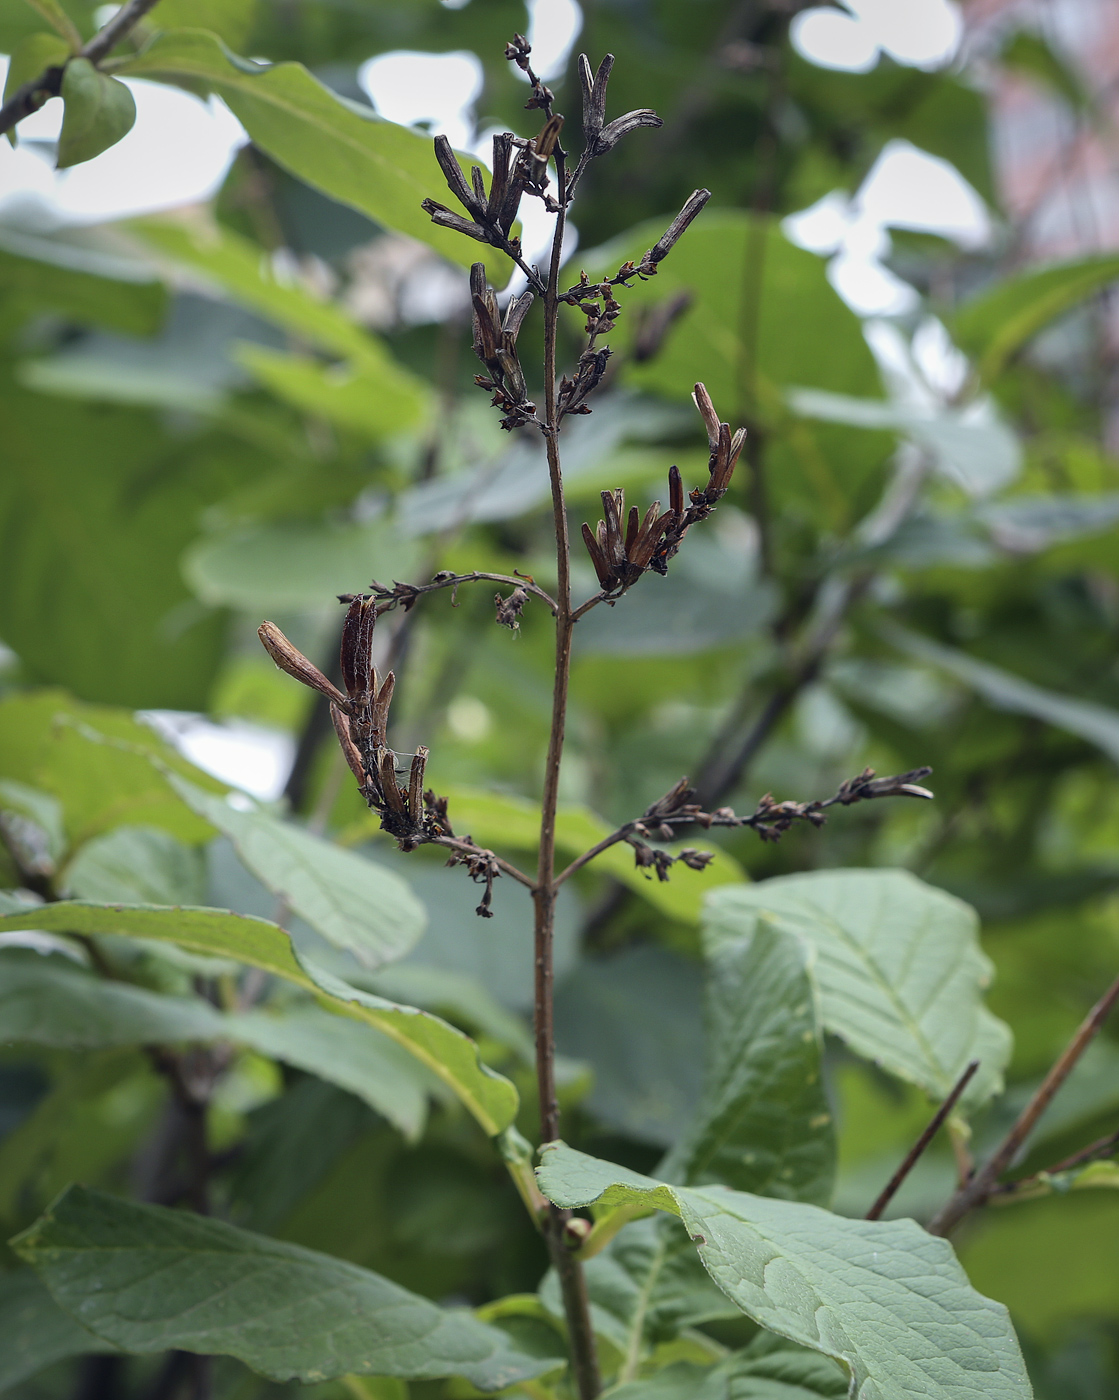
(290, 659)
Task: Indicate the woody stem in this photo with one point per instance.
(572, 1283)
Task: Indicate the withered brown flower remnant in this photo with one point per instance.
(495, 344)
(620, 558)
(360, 719)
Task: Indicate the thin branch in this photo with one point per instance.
(468, 848)
(1037, 1182)
(982, 1185)
(894, 1184)
(769, 819)
(27, 99)
(405, 594)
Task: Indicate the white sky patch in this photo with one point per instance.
(919, 33)
(177, 153)
(436, 90)
(905, 188)
(553, 27)
(247, 756)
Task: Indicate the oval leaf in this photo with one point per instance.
(99, 112)
(883, 1297)
(47, 1002)
(452, 1056)
(898, 964)
(352, 903)
(764, 1123)
(147, 1279)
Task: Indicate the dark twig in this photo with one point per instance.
(894, 1184)
(1094, 1152)
(769, 819)
(31, 96)
(981, 1186)
(405, 594)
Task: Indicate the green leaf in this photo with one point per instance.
(1096, 724)
(764, 1123)
(514, 822)
(266, 568)
(768, 1369)
(38, 807)
(980, 454)
(882, 1297)
(99, 111)
(59, 21)
(95, 761)
(645, 1288)
(244, 273)
(45, 1001)
(898, 964)
(106, 498)
(149, 1279)
(231, 20)
(36, 1331)
(29, 58)
(1027, 52)
(353, 903)
(137, 865)
(374, 398)
(84, 284)
(336, 146)
(994, 325)
(452, 1056)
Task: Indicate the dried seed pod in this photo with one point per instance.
(674, 232)
(356, 653)
(290, 659)
(702, 400)
(610, 135)
(349, 748)
(594, 95)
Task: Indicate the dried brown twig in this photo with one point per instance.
(770, 819)
(983, 1184)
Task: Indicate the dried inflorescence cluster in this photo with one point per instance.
(620, 555)
(770, 819)
(361, 717)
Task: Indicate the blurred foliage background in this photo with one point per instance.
(240, 409)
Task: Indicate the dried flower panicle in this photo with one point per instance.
(360, 718)
(621, 557)
(495, 344)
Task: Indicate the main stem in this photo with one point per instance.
(584, 1359)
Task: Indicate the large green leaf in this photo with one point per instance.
(644, 1289)
(353, 903)
(768, 1369)
(46, 1001)
(35, 1330)
(137, 865)
(764, 1123)
(95, 761)
(999, 321)
(373, 398)
(245, 274)
(1097, 724)
(149, 1279)
(335, 145)
(883, 1297)
(84, 283)
(265, 568)
(452, 1056)
(97, 502)
(898, 965)
(98, 112)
